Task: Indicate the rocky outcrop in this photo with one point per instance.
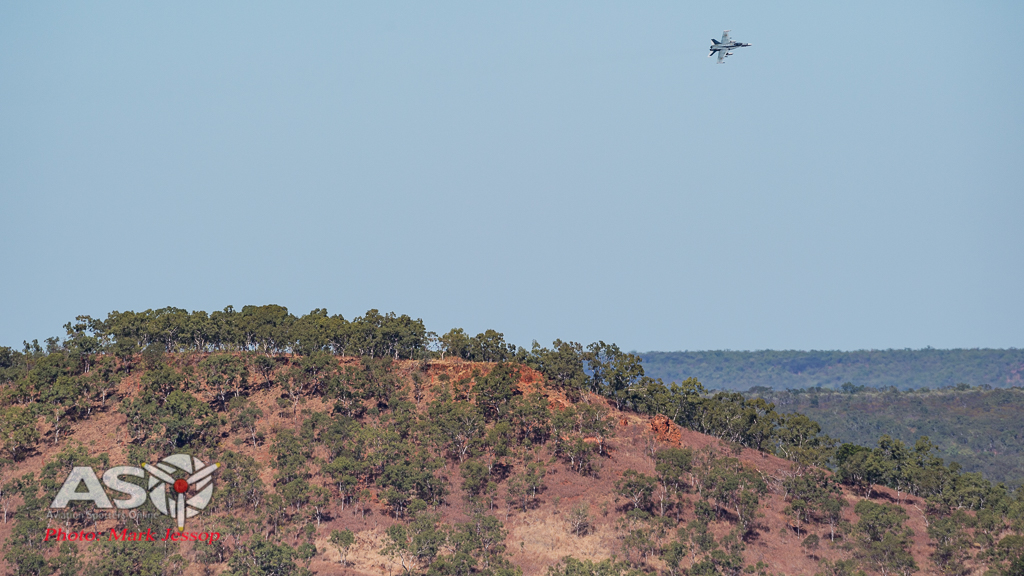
(666, 430)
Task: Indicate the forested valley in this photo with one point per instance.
(978, 427)
(375, 446)
(785, 369)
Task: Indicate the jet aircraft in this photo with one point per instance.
(723, 48)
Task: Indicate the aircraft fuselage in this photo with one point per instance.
(728, 46)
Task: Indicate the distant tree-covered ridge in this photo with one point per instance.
(784, 369)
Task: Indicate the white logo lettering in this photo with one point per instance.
(112, 479)
(69, 491)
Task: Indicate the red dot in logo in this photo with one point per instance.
(181, 485)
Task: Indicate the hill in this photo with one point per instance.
(566, 460)
(785, 369)
(532, 532)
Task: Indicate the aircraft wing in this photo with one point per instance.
(721, 55)
(725, 37)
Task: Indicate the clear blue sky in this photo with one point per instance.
(574, 170)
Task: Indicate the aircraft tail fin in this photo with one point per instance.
(715, 41)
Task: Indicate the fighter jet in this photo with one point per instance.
(724, 46)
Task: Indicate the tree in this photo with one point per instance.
(103, 380)
(482, 537)
(523, 486)
(239, 483)
(345, 471)
(295, 493)
(397, 544)
(264, 366)
(799, 438)
(673, 555)
(496, 446)
(1016, 567)
(314, 332)
(1008, 556)
(275, 511)
(162, 380)
(67, 403)
(638, 542)
(579, 453)
(409, 479)
(224, 373)
(454, 425)
(386, 335)
(168, 326)
(594, 421)
(291, 456)
(897, 463)
(838, 568)
(814, 496)
(260, 557)
(672, 464)
(115, 559)
(614, 374)
(141, 414)
(578, 432)
(530, 418)
(736, 487)
(314, 370)
(832, 514)
(245, 415)
(343, 539)
(578, 519)
(455, 343)
(570, 566)
(492, 393)
(857, 468)
(18, 431)
(475, 478)
(154, 355)
(799, 511)
(67, 561)
(637, 488)
(427, 537)
(883, 538)
(562, 367)
(266, 328)
(952, 542)
(340, 435)
(490, 346)
(188, 422)
(810, 543)
(375, 378)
